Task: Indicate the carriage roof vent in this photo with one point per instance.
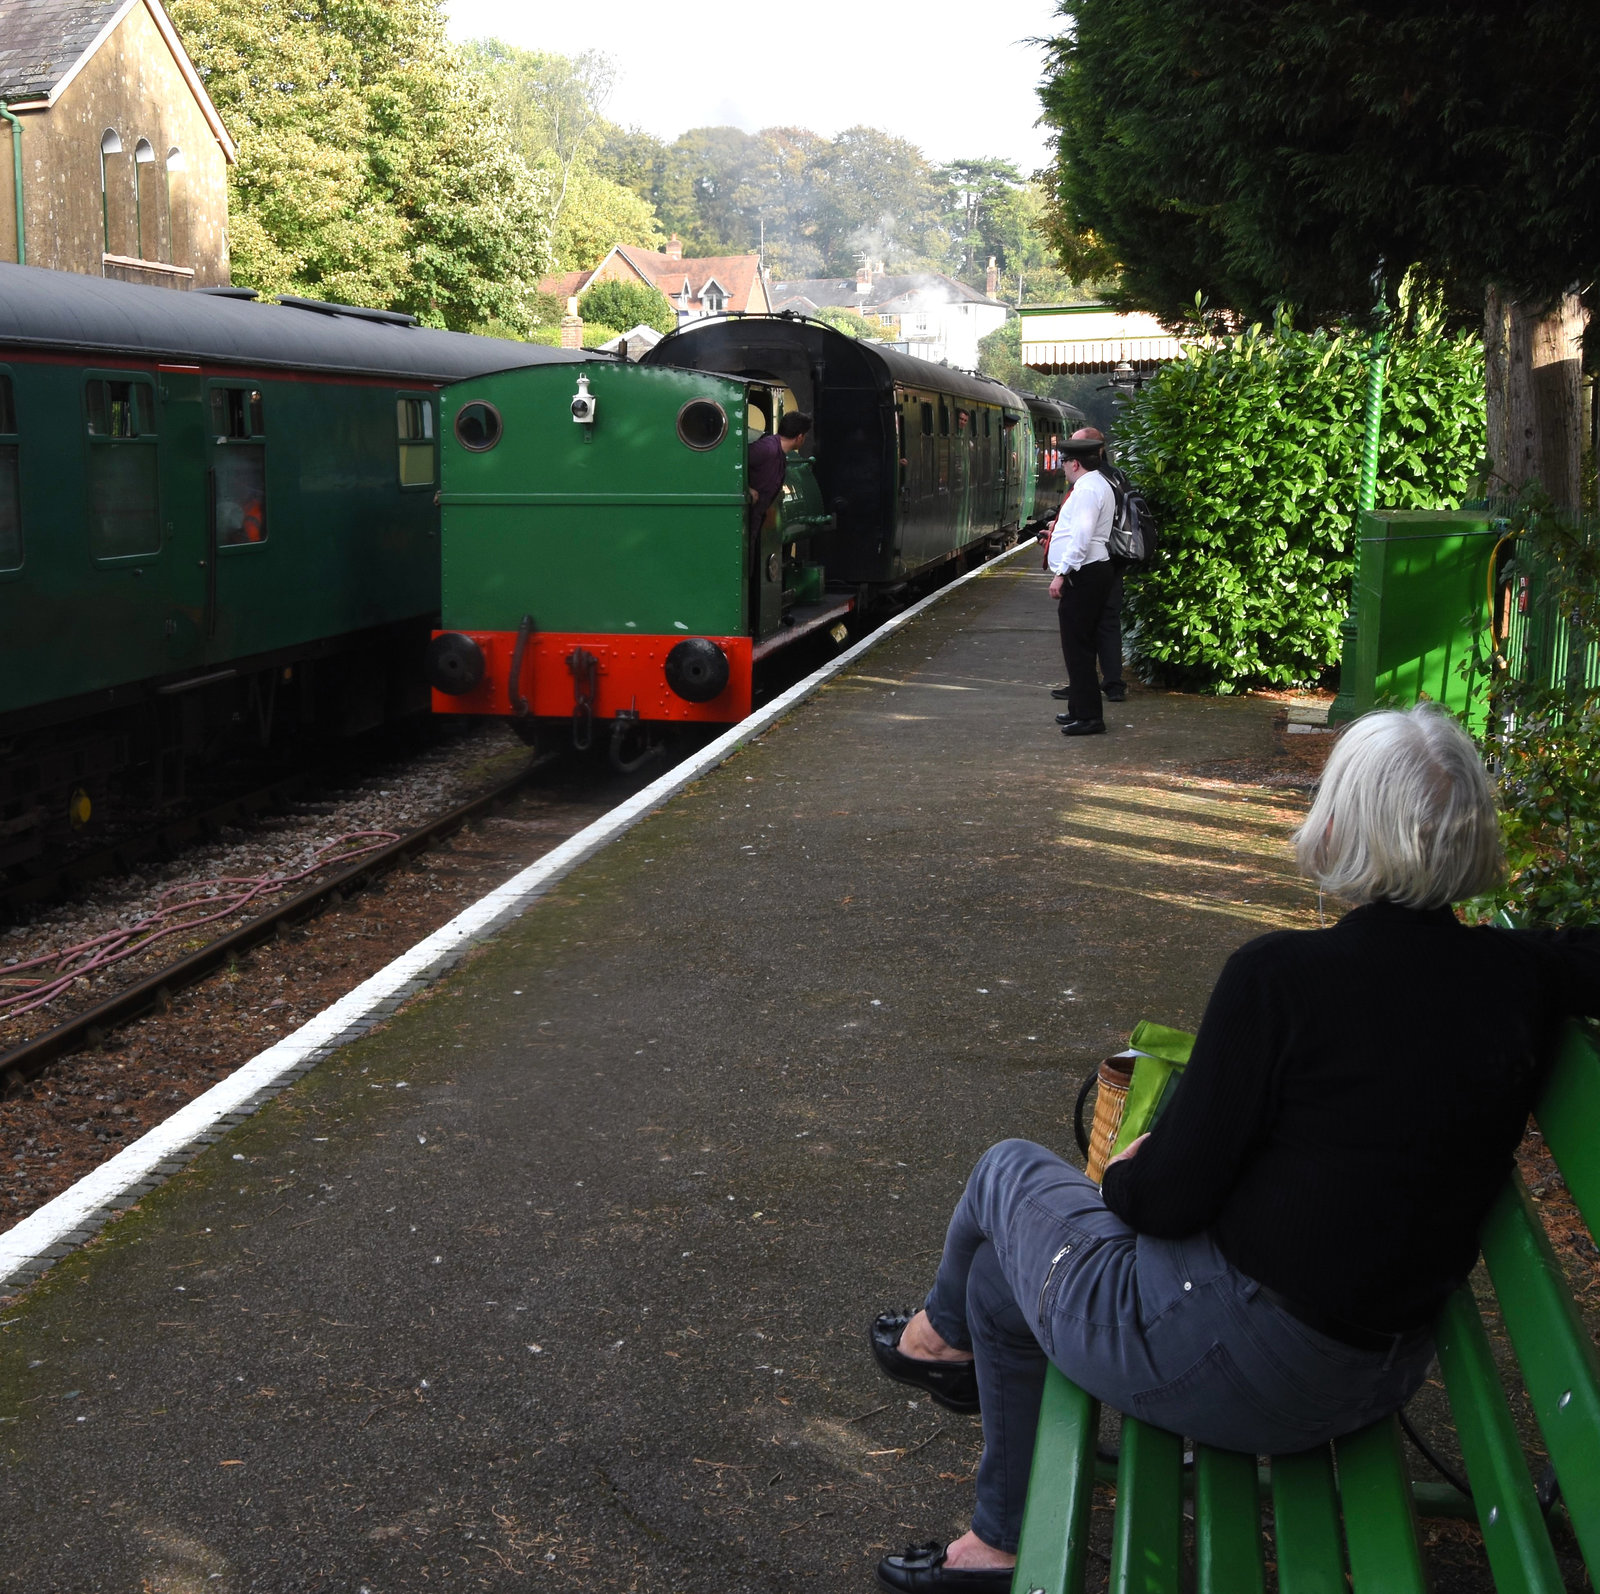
(358, 312)
(230, 293)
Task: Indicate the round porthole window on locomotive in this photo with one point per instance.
(478, 426)
(702, 423)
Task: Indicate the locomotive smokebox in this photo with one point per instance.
(454, 664)
(697, 670)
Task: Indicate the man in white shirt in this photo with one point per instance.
(1080, 561)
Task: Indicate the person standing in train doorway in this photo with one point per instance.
(1080, 563)
(768, 457)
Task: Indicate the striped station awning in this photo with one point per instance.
(1061, 339)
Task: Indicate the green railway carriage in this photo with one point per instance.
(598, 566)
(1053, 423)
(217, 519)
(918, 464)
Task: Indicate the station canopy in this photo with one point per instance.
(1064, 339)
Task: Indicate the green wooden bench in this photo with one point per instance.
(1350, 1505)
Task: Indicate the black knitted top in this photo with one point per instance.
(1353, 1103)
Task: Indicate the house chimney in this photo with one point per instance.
(864, 277)
(572, 326)
(991, 279)
(674, 247)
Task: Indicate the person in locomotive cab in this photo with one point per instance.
(768, 456)
(1080, 561)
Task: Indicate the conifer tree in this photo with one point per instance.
(1260, 152)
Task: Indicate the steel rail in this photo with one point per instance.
(89, 1027)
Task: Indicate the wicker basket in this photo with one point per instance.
(1111, 1097)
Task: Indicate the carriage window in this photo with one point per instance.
(10, 485)
(988, 416)
(236, 413)
(944, 419)
(124, 515)
(120, 409)
(414, 429)
(927, 420)
(241, 495)
(238, 467)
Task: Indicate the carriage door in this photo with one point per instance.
(236, 505)
(1010, 486)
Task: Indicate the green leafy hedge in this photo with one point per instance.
(1248, 449)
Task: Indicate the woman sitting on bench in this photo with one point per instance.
(1260, 1272)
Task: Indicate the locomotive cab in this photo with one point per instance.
(599, 568)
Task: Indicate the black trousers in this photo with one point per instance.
(1084, 594)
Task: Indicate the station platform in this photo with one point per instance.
(561, 1279)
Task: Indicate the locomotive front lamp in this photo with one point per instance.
(584, 404)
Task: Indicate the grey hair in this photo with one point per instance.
(1405, 813)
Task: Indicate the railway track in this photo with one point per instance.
(155, 990)
(48, 880)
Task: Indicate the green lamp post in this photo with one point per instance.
(1343, 706)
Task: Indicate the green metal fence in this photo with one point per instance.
(1539, 643)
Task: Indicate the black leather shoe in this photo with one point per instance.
(1063, 692)
(921, 1570)
(1114, 692)
(1065, 719)
(1084, 728)
(953, 1385)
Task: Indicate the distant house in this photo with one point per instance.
(124, 160)
(695, 287)
(926, 313)
(633, 344)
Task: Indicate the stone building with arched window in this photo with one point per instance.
(113, 160)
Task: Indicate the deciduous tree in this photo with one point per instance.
(371, 170)
(626, 305)
(554, 107)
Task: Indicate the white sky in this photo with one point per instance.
(958, 80)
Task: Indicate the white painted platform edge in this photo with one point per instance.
(72, 1217)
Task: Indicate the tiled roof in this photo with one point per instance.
(931, 287)
(41, 41)
(563, 286)
(736, 275)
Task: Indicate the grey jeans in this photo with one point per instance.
(1035, 1267)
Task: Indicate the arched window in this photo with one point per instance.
(177, 173)
(110, 144)
(147, 245)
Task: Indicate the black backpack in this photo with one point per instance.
(1133, 536)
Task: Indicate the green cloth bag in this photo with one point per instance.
(1161, 1055)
